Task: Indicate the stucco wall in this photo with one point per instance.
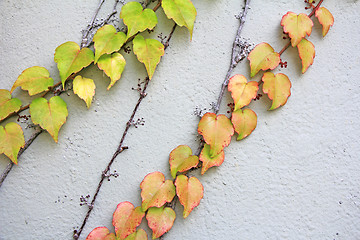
(296, 177)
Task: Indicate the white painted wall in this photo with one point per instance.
(296, 177)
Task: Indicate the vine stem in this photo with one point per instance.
(34, 136)
(120, 147)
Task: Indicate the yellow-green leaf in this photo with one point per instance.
(70, 59)
(208, 161)
(84, 88)
(107, 40)
(297, 26)
(182, 12)
(242, 91)
(49, 115)
(155, 191)
(11, 140)
(34, 80)
(244, 122)
(138, 235)
(263, 57)
(137, 19)
(149, 52)
(306, 53)
(101, 233)
(277, 87)
(181, 160)
(325, 18)
(8, 105)
(190, 191)
(126, 219)
(113, 65)
(217, 132)
(160, 220)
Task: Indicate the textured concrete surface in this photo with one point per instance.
(296, 177)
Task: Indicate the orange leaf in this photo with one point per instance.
(242, 91)
(155, 191)
(101, 233)
(306, 53)
(160, 220)
(297, 26)
(126, 219)
(208, 161)
(325, 18)
(244, 122)
(181, 160)
(217, 132)
(263, 57)
(190, 191)
(277, 87)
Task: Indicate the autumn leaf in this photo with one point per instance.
(138, 235)
(137, 19)
(34, 80)
(182, 12)
(217, 132)
(306, 53)
(263, 57)
(84, 88)
(8, 105)
(242, 91)
(70, 59)
(244, 122)
(101, 233)
(11, 140)
(149, 52)
(160, 220)
(107, 40)
(113, 65)
(155, 191)
(49, 115)
(297, 26)
(126, 219)
(325, 18)
(190, 191)
(181, 160)
(208, 161)
(277, 87)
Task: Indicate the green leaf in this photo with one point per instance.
(155, 191)
(8, 105)
(263, 57)
(139, 235)
(181, 160)
(34, 80)
(182, 12)
(242, 91)
(149, 52)
(190, 191)
(208, 161)
(244, 122)
(101, 233)
(137, 19)
(160, 220)
(107, 40)
(84, 88)
(70, 59)
(49, 115)
(126, 219)
(307, 53)
(217, 132)
(113, 65)
(11, 140)
(277, 87)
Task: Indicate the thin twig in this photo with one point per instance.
(237, 55)
(119, 149)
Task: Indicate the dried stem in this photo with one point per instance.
(120, 148)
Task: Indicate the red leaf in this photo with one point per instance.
(101, 233)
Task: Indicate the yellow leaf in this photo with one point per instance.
(263, 57)
(297, 26)
(85, 89)
(11, 140)
(306, 53)
(277, 87)
(326, 19)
